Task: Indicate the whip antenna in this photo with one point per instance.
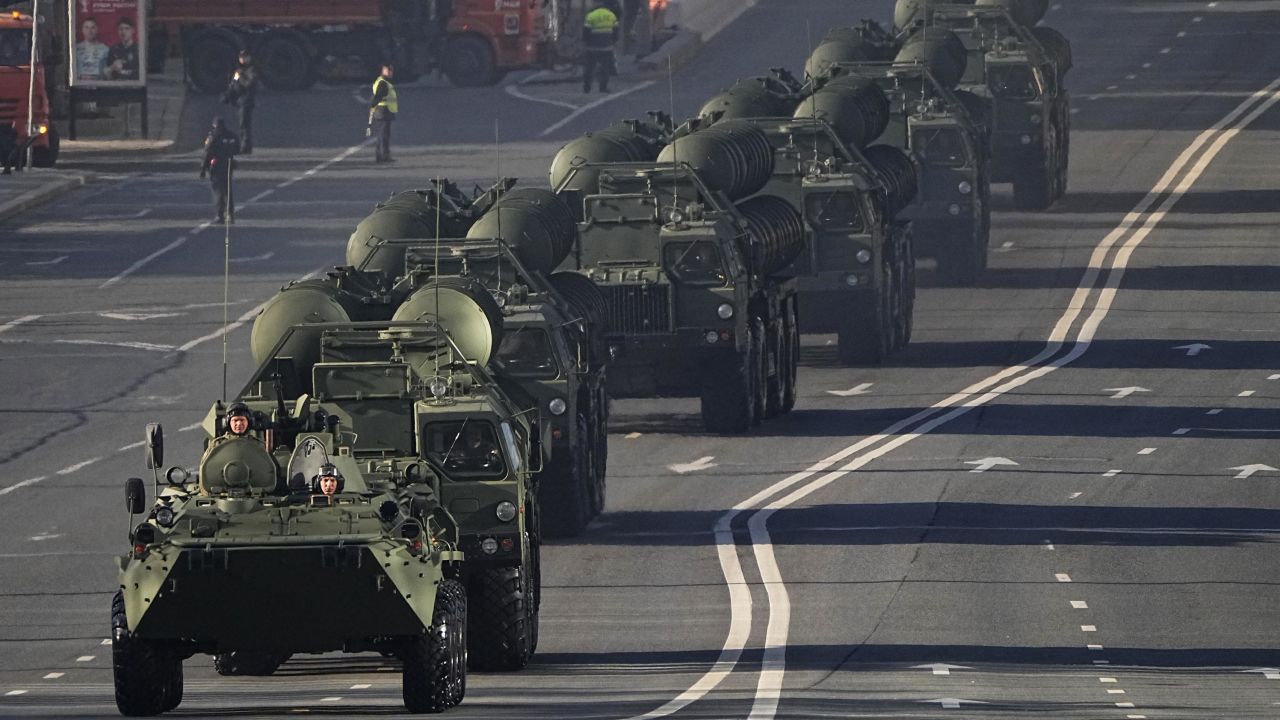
(675, 162)
(436, 274)
(226, 276)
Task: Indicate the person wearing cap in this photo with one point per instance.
(239, 419)
(220, 148)
(242, 94)
(329, 480)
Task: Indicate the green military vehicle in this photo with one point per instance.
(1019, 69)
(552, 348)
(856, 273)
(319, 520)
(696, 305)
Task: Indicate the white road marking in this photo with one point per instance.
(514, 91)
(1268, 673)
(246, 317)
(1074, 495)
(12, 693)
(1079, 604)
(1062, 577)
(86, 658)
(632, 435)
(1146, 451)
(861, 389)
(1101, 662)
(105, 641)
(1182, 431)
(135, 216)
(262, 195)
(1048, 545)
(189, 428)
(253, 258)
(941, 668)
(19, 321)
(54, 261)
(25, 483)
(702, 463)
(953, 703)
(131, 446)
(1182, 33)
(1111, 473)
(1095, 648)
(1165, 51)
(1146, 65)
(1107, 680)
(361, 686)
(1124, 705)
(182, 239)
(331, 699)
(1215, 411)
(45, 536)
(1124, 392)
(986, 464)
(1269, 377)
(1136, 717)
(1248, 471)
(53, 676)
(1115, 691)
(1245, 393)
(138, 316)
(78, 466)
(1194, 349)
(128, 344)
(592, 106)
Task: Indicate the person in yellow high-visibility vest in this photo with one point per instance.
(599, 34)
(383, 107)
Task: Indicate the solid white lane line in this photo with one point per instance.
(182, 239)
(78, 466)
(592, 106)
(25, 483)
(19, 321)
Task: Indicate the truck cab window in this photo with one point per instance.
(940, 147)
(465, 449)
(1013, 82)
(834, 211)
(526, 352)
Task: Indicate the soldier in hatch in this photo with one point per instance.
(239, 420)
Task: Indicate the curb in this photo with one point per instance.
(673, 54)
(44, 194)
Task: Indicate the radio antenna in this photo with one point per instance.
(227, 210)
(675, 162)
(497, 153)
(435, 274)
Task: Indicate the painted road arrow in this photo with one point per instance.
(1194, 349)
(1268, 673)
(953, 703)
(986, 464)
(702, 463)
(1124, 392)
(1247, 471)
(942, 668)
(862, 389)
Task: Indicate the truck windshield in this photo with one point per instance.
(834, 211)
(466, 449)
(526, 352)
(940, 147)
(1013, 82)
(695, 262)
(15, 47)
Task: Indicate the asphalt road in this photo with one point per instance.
(1060, 501)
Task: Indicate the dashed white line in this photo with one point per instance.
(1182, 431)
(1246, 393)
(12, 693)
(1111, 473)
(86, 658)
(1182, 33)
(335, 698)
(25, 483)
(105, 641)
(1115, 691)
(361, 686)
(53, 676)
(1125, 705)
(1074, 495)
(19, 321)
(1107, 680)
(1094, 648)
(1079, 604)
(131, 446)
(179, 242)
(1269, 377)
(1062, 577)
(632, 435)
(1088, 628)
(78, 466)
(1215, 411)
(1146, 451)
(1165, 51)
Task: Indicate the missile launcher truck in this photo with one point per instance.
(1019, 69)
(856, 273)
(690, 269)
(252, 560)
(552, 349)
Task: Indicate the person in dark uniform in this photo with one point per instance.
(122, 58)
(383, 106)
(239, 420)
(219, 155)
(599, 35)
(242, 94)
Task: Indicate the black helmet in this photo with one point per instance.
(329, 470)
(239, 408)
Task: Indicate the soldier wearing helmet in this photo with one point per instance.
(329, 480)
(239, 420)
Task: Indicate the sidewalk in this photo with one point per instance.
(697, 21)
(120, 132)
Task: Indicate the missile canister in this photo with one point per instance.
(1024, 12)
(938, 49)
(734, 157)
(776, 232)
(855, 108)
(749, 98)
(899, 174)
(536, 224)
(408, 214)
(584, 297)
(464, 309)
(840, 49)
(305, 302)
(626, 141)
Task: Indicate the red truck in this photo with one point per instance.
(474, 42)
(15, 88)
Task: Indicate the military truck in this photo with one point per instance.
(1020, 71)
(255, 558)
(552, 348)
(696, 303)
(856, 274)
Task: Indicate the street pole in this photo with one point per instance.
(31, 85)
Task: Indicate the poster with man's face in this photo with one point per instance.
(109, 47)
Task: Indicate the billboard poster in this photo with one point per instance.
(110, 43)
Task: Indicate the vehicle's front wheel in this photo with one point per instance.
(435, 663)
(147, 676)
(501, 632)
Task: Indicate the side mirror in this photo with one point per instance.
(155, 446)
(135, 496)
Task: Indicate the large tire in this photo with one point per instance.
(791, 328)
(776, 385)
(1033, 187)
(467, 61)
(210, 57)
(46, 157)
(760, 369)
(248, 662)
(500, 631)
(147, 676)
(728, 392)
(963, 257)
(908, 289)
(564, 489)
(866, 337)
(434, 678)
(285, 61)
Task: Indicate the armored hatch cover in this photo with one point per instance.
(237, 463)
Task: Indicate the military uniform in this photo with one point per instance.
(242, 93)
(599, 34)
(220, 149)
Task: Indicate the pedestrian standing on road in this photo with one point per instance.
(383, 107)
(242, 94)
(219, 156)
(599, 35)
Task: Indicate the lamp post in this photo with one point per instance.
(31, 85)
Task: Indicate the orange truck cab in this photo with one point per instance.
(15, 88)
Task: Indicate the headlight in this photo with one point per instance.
(438, 387)
(489, 546)
(964, 187)
(672, 216)
(712, 337)
(851, 280)
(557, 406)
(954, 209)
(863, 256)
(725, 311)
(1025, 139)
(506, 511)
(1035, 119)
(164, 517)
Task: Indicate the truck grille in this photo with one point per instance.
(638, 309)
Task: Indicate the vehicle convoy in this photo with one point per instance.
(254, 559)
(17, 84)
(930, 120)
(473, 42)
(511, 241)
(1019, 69)
(690, 266)
(856, 272)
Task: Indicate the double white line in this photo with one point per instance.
(1069, 339)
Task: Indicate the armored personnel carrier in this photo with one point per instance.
(690, 271)
(1020, 70)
